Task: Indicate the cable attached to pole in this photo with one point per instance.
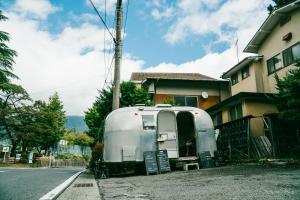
(102, 20)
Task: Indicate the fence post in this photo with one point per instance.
(272, 136)
(248, 135)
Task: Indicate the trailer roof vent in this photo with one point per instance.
(163, 105)
(140, 104)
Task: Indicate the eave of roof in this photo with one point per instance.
(268, 25)
(147, 80)
(139, 76)
(240, 96)
(241, 64)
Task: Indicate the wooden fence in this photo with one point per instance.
(234, 138)
(235, 141)
(61, 163)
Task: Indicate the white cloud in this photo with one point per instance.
(71, 62)
(34, 8)
(213, 64)
(195, 18)
(168, 12)
(109, 5)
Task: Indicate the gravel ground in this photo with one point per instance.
(231, 182)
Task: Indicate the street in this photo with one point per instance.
(19, 184)
(230, 182)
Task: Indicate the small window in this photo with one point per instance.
(274, 64)
(245, 72)
(191, 101)
(148, 122)
(291, 55)
(287, 57)
(217, 119)
(234, 79)
(180, 100)
(236, 112)
(296, 52)
(186, 101)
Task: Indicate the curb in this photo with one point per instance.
(53, 194)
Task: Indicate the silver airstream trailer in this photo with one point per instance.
(184, 132)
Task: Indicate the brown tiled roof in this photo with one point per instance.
(140, 76)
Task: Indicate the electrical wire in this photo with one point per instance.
(102, 20)
(126, 14)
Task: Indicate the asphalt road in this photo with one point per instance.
(19, 184)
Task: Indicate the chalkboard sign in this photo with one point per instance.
(150, 162)
(163, 161)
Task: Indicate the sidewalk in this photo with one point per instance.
(84, 187)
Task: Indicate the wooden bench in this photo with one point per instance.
(186, 166)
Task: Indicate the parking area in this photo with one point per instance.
(230, 182)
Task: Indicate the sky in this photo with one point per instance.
(64, 47)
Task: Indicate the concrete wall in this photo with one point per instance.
(274, 45)
(167, 90)
(191, 88)
(254, 108)
(258, 109)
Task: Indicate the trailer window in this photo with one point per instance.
(148, 122)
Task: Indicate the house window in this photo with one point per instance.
(217, 119)
(186, 101)
(148, 122)
(234, 79)
(291, 55)
(274, 64)
(236, 112)
(245, 72)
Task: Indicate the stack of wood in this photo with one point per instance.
(261, 147)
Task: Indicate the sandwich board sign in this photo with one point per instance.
(150, 162)
(163, 161)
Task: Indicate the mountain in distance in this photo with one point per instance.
(76, 122)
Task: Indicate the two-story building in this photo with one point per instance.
(183, 89)
(250, 110)
(276, 45)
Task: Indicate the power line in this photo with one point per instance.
(125, 23)
(104, 38)
(109, 71)
(102, 20)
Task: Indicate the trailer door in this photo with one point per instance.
(167, 132)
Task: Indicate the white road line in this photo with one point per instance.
(59, 189)
(2, 171)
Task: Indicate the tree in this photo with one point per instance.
(278, 4)
(6, 56)
(288, 97)
(12, 96)
(81, 139)
(51, 117)
(40, 125)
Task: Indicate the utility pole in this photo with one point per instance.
(118, 55)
